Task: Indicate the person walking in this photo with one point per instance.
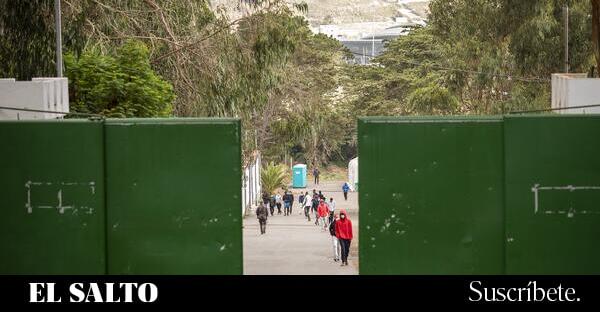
(262, 214)
(321, 196)
(307, 204)
(316, 174)
(301, 201)
(315, 206)
(343, 231)
(288, 201)
(291, 203)
(272, 204)
(323, 213)
(331, 208)
(278, 202)
(334, 240)
(346, 188)
(266, 200)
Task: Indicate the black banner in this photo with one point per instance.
(298, 291)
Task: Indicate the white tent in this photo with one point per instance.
(353, 173)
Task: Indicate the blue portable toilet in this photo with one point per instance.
(299, 176)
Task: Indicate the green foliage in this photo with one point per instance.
(596, 34)
(431, 100)
(406, 79)
(292, 89)
(272, 177)
(510, 38)
(475, 57)
(119, 85)
(310, 120)
(27, 36)
(26, 39)
(420, 47)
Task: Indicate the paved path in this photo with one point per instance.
(294, 246)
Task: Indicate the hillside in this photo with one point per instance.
(323, 12)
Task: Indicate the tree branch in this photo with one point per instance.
(185, 47)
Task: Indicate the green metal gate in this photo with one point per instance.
(52, 193)
(516, 195)
(431, 199)
(135, 196)
(552, 194)
(174, 196)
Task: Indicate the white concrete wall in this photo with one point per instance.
(51, 94)
(570, 90)
(60, 92)
(23, 94)
(251, 187)
(353, 173)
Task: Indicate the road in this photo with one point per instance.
(294, 246)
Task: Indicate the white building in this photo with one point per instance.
(44, 94)
(353, 174)
(251, 186)
(574, 90)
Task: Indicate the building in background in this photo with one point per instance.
(43, 94)
(251, 186)
(363, 50)
(353, 174)
(367, 40)
(575, 90)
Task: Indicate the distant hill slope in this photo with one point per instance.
(322, 12)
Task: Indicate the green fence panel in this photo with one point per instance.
(173, 196)
(52, 191)
(431, 199)
(552, 194)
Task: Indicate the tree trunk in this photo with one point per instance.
(596, 33)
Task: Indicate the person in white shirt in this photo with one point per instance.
(307, 204)
(278, 202)
(334, 240)
(331, 207)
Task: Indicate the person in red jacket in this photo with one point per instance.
(323, 213)
(343, 231)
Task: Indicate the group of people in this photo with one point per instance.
(338, 225)
(317, 205)
(322, 210)
(277, 201)
(269, 203)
